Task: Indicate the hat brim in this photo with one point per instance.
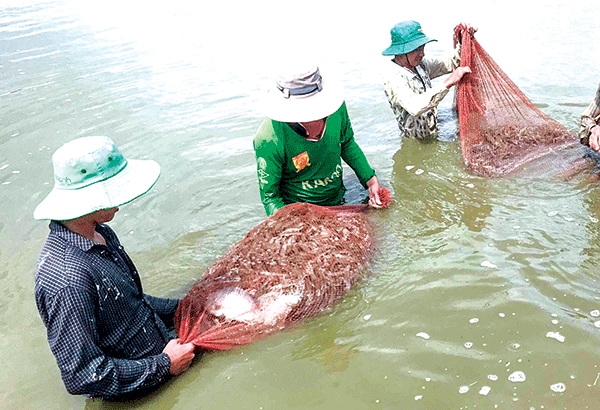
(137, 178)
(406, 48)
(304, 109)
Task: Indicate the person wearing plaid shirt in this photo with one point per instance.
(589, 131)
(109, 338)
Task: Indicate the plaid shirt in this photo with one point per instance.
(589, 117)
(106, 335)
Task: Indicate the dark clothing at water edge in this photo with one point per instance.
(109, 339)
(106, 334)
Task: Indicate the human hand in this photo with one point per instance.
(470, 29)
(458, 31)
(456, 76)
(373, 186)
(594, 139)
(181, 356)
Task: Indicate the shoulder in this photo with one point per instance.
(339, 123)
(428, 63)
(395, 74)
(60, 265)
(431, 63)
(265, 130)
(390, 70)
(270, 133)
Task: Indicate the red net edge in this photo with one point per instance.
(492, 144)
(195, 325)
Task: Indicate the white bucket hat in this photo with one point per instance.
(91, 174)
(301, 95)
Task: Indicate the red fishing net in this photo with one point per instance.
(292, 265)
(500, 129)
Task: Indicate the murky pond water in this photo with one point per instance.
(484, 292)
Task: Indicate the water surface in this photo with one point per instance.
(484, 293)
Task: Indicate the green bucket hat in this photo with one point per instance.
(407, 36)
(90, 174)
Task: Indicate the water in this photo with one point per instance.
(499, 275)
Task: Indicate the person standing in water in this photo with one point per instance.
(300, 146)
(109, 338)
(408, 87)
(589, 130)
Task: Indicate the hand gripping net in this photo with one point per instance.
(292, 265)
(499, 128)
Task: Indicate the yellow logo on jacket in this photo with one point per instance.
(301, 161)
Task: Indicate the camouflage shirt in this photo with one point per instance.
(414, 100)
(589, 117)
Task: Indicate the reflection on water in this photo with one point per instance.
(500, 274)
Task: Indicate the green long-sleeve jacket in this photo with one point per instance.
(291, 169)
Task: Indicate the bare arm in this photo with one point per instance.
(373, 186)
(456, 76)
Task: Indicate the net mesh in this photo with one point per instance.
(292, 265)
(499, 127)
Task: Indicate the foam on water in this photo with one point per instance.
(517, 377)
(555, 335)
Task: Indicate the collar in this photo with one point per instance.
(81, 242)
(301, 131)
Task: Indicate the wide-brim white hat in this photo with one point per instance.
(91, 174)
(301, 95)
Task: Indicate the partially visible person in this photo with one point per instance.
(300, 146)
(408, 87)
(109, 338)
(589, 130)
